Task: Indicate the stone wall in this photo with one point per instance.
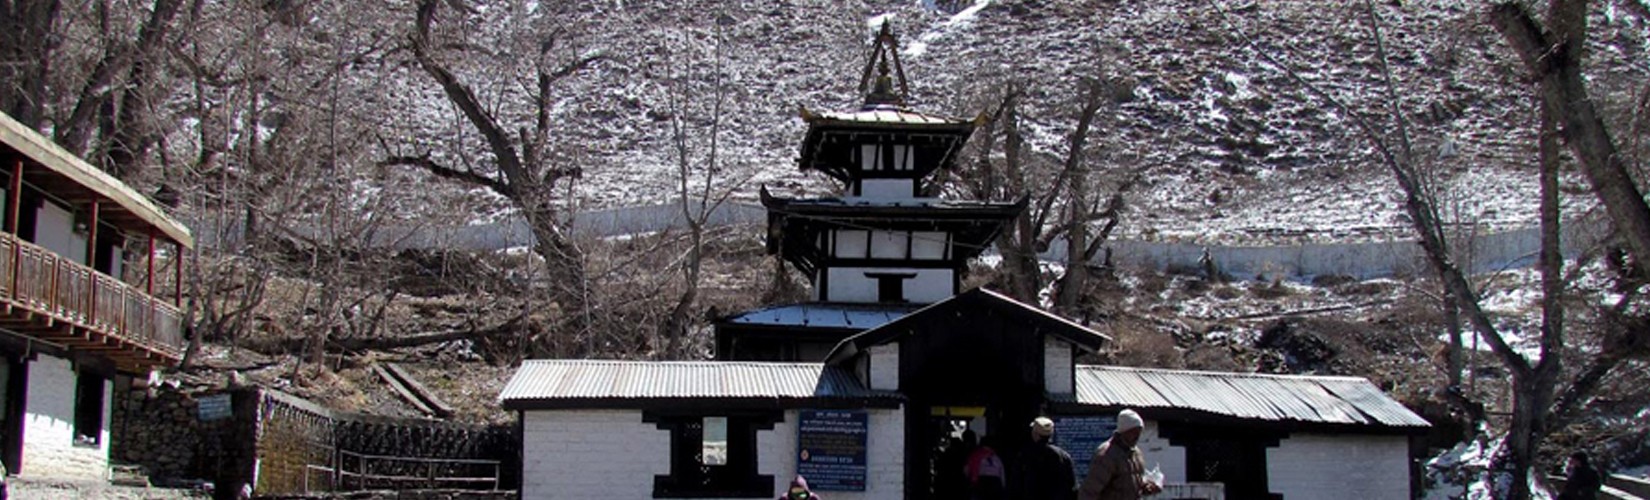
(297, 445)
(162, 431)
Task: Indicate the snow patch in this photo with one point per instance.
(1240, 86)
(1461, 472)
(968, 14)
(918, 47)
(876, 21)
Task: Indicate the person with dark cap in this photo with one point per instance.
(1046, 469)
(1583, 482)
(1118, 471)
(799, 491)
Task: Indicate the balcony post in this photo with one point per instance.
(91, 263)
(13, 204)
(57, 278)
(177, 285)
(149, 279)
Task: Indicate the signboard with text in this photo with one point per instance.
(214, 407)
(1080, 436)
(831, 449)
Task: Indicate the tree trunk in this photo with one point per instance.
(25, 51)
(1555, 60)
(564, 269)
(1019, 246)
(132, 140)
(1076, 172)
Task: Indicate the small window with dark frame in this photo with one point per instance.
(712, 456)
(88, 409)
(891, 286)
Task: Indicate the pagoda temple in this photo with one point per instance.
(864, 388)
(886, 245)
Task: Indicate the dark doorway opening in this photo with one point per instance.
(947, 457)
(998, 377)
(13, 384)
(1233, 457)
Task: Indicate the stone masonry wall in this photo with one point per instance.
(296, 444)
(161, 430)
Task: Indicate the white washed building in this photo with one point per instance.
(78, 306)
(860, 389)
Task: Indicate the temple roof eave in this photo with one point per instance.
(856, 207)
(888, 117)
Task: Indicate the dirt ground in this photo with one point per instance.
(89, 490)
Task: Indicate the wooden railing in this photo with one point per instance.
(46, 283)
(357, 472)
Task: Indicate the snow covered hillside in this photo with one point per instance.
(1232, 148)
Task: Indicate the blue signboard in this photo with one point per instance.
(831, 449)
(1080, 436)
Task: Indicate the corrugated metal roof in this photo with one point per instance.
(852, 316)
(889, 115)
(1282, 398)
(48, 154)
(852, 201)
(598, 380)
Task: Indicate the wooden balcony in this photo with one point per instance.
(56, 300)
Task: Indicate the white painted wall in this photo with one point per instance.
(1159, 453)
(849, 284)
(1339, 466)
(54, 229)
(1057, 366)
(901, 245)
(580, 454)
(117, 263)
(890, 245)
(885, 367)
(930, 245)
(884, 456)
(851, 243)
(48, 425)
(886, 189)
(591, 454)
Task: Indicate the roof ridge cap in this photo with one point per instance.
(1224, 373)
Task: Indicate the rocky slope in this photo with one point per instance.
(1231, 145)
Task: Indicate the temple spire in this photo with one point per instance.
(879, 88)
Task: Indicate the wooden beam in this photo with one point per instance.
(91, 262)
(177, 286)
(441, 408)
(149, 279)
(401, 389)
(13, 201)
(97, 348)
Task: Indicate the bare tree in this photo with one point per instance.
(698, 160)
(120, 96)
(526, 174)
(26, 45)
(1066, 209)
(1538, 407)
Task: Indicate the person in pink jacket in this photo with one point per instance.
(799, 491)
